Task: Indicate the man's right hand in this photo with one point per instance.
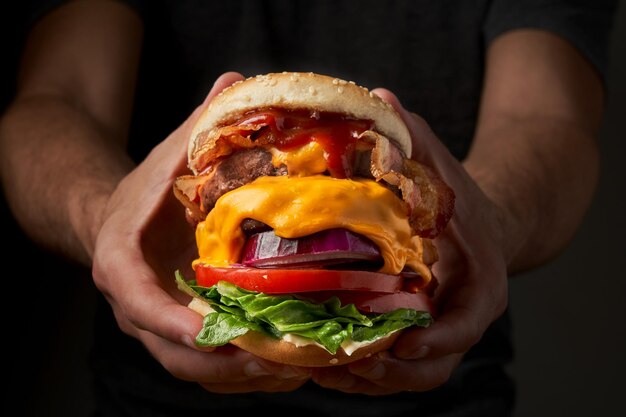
(144, 238)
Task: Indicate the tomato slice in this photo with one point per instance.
(376, 302)
(284, 281)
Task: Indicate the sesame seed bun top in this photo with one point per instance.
(293, 90)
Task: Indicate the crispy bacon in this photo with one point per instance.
(187, 191)
(385, 157)
(430, 200)
(224, 142)
(433, 199)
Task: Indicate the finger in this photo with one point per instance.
(222, 365)
(177, 142)
(456, 330)
(226, 370)
(225, 80)
(385, 373)
(339, 378)
(226, 364)
(222, 82)
(140, 298)
(427, 148)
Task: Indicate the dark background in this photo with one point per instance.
(569, 316)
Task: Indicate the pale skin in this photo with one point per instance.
(521, 193)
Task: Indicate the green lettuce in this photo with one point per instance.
(329, 323)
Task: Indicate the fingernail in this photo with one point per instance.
(253, 368)
(421, 353)
(188, 340)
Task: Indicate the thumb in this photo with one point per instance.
(222, 82)
(426, 147)
(171, 153)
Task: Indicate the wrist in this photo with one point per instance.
(87, 214)
(515, 228)
(513, 223)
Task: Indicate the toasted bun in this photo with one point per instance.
(292, 90)
(310, 355)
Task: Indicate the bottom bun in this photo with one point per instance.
(280, 351)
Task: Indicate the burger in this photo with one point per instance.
(313, 226)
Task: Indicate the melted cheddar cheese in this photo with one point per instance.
(300, 206)
(304, 161)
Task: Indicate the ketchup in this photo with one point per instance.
(292, 129)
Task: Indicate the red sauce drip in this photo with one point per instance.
(292, 129)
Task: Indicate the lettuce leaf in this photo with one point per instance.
(329, 323)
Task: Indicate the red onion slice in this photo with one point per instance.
(329, 247)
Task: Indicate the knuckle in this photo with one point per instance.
(502, 305)
(128, 312)
(99, 273)
(124, 325)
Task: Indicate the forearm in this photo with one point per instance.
(59, 167)
(542, 174)
(534, 153)
(62, 139)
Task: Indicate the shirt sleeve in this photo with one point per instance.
(585, 24)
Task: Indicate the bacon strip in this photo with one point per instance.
(187, 191)
(199, 194)
(385, 156)
(226, 140)
(430, 200)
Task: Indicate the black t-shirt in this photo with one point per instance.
(430, 53)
